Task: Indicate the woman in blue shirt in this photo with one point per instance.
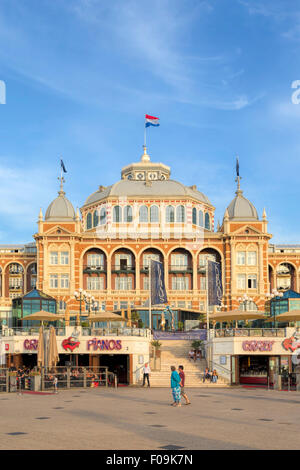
(175, 386)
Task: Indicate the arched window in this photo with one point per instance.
(117, 214)
(143, 214)
(201, 220)
(154, 214)
(102, 216)
(207, 221)
(89, 221)
(248, 306)
(180, 214)
(170, 215)
(194, 215)
(127, 214)
(95, 218)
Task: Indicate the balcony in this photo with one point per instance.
(177, 269)
(119, 268)
(11, 287)
(201, 269)
(90, 269)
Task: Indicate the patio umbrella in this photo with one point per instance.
(105, 317)
(237, 315)
(292, 315)
(53, 353)
(43, 316)
(41, 351)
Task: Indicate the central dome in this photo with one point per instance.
(241, 208)
(61, 209)
(146, 179)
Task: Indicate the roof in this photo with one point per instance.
(60, 209)
(241, 208)
(131, 188)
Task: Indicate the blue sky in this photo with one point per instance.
(81, 74)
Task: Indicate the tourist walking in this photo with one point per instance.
(214, 377)
(182, 392)
(146, 374)
(175, 386)
(55, 380)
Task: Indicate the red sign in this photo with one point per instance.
(70, 344)
(291, 344)
(31, 344)
(7, 347)
(257, 345)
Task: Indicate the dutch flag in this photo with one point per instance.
(151, 121)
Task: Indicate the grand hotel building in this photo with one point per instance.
(105, 247)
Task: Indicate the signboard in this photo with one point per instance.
(104, 344)
(257, 345)
(188, 335)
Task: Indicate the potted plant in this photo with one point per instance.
(180, 326)
(197, 345)
(156, 345)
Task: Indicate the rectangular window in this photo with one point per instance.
(146, 283)
(202, 283)
(252, 258)
(123, 283)
(95, 283)
(147, 257)
(241, 281)
(241, 258)
(94, 260)
(33, 282)
(64, 281)
(181, 304)
(180, 283)
(53, 257)
(179, 260)
(53, 281)
(15, 282)
(64, 257)
(116, 305)
(252, 281)
(123, 304)
(123, 261)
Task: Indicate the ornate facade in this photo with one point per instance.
(105, 249)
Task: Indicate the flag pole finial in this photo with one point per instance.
(61, 178)
(145, 157)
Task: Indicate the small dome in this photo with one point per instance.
(60, 209)
(241, 208)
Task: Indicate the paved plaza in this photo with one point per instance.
(137, 418)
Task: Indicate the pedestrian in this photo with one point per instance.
(206, 374)
(175, 386)
(55, 381)
(214, 376)
(146, 374)
(182, 377)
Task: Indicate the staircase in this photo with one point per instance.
(175, 353)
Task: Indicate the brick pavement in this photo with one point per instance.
(137, 418)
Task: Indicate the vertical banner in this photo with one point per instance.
(215, 290)
(158, 290)
(2, 352)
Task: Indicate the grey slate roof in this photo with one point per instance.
(60, 209)
(241, 208)
(166, 188)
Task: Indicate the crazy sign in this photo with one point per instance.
(104, 344)
(257, 345)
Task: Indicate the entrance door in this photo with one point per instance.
(118, 364)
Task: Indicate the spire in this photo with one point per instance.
(238, 177)
(218, 226)
(40, 215)
(226, 215)
(264, 216)
(145, 157)
(77, 215)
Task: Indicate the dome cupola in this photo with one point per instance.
(61, 209)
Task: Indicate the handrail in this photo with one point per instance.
(222, 367)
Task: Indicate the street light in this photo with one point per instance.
(81, 295)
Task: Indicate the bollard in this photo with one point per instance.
(7, 381)
(84, 378)
(116, 382)
(106, 378)
(68, 378)
(268, 383)
(289, 385)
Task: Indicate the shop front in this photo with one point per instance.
(257, 360)
(123, 355)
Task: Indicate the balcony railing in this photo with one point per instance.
(230, 332)
(90, 269)
(180, 269)
(119, 268)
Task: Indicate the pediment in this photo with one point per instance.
(246, 230)
(58, 230)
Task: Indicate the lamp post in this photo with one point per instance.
(81, 295)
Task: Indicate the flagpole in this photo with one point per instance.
(145, 134)
(207, 315)
(150, 286)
